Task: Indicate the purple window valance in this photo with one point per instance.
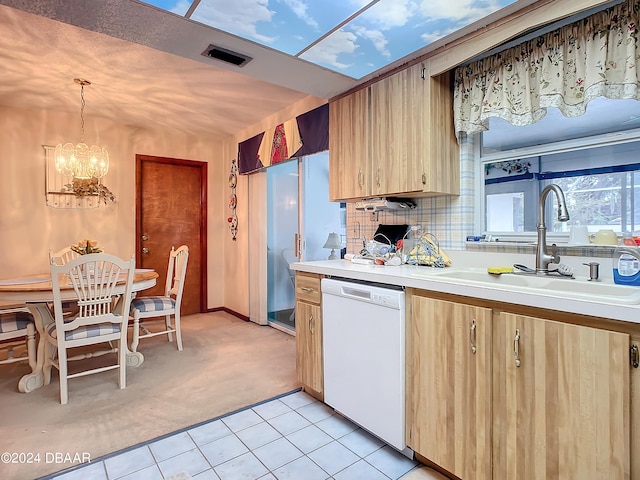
(248, 159)
(306, 134)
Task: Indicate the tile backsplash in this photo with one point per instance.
(449, 218)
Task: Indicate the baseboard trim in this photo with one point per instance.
(230, 312)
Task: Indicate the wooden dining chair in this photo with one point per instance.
(95, 278)
(166, 305)
(16, 325)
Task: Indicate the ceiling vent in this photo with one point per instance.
(226, 56)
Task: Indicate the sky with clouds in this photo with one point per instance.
(384, 31)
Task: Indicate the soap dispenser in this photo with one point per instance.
(626, 265)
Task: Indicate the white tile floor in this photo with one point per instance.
(291, 437)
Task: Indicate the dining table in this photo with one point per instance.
(36, 293)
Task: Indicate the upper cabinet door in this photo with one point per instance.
(441, 163)
(398, 122)
(395, 138)
(349, 171)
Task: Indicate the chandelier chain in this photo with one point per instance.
(82, 113)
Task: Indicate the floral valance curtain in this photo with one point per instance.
(566, 68)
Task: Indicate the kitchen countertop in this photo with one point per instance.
(426, 278)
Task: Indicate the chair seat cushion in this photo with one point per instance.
(152, 304)
(88, 331)
(14, 321)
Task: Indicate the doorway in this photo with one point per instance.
(171, 210)
(299, 220)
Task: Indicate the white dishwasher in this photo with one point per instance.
(364, 356)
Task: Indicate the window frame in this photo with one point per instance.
(620, 137)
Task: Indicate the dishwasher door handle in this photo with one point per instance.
(360, 294)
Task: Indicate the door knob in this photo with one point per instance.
(145, 250)
(144, 238)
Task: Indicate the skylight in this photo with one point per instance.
(352, 37)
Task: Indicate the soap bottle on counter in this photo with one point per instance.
(626, 265)
(410, 241)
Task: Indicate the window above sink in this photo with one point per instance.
(593, 158)
(603, 116)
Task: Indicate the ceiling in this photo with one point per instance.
(353, 37)
(132, 83)
(146, 65)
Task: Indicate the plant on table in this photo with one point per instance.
(86, 246)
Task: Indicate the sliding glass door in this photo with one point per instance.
(282, 227)
(299, 220)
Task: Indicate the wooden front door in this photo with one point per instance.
(171, 210)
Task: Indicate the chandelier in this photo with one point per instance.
(81, 161)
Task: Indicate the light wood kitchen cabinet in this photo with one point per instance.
(407, 146)
(635, 404)
(349, 159)
(449, 385)
(413, 145)
(396, 164)
(561, 400)
(309, 333)
(540, 398)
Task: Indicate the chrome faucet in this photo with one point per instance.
(543, 259)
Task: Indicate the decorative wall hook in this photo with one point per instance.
(233, 200)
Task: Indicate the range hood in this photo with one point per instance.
(381, 203)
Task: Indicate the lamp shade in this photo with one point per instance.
(333, 241)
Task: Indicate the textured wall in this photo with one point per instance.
(29, 228)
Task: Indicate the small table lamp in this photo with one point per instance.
(333, 242)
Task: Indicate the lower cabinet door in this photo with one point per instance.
(309, 345)
(560, 401)
(449, 385)
(635, 404)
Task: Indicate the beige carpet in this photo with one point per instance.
(226, 364)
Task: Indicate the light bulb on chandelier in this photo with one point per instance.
(81, 161)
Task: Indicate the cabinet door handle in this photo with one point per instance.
(516, 354)
(472, 336)
(378, 176)
(306, 289)
(311, 324)
(360, 179)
